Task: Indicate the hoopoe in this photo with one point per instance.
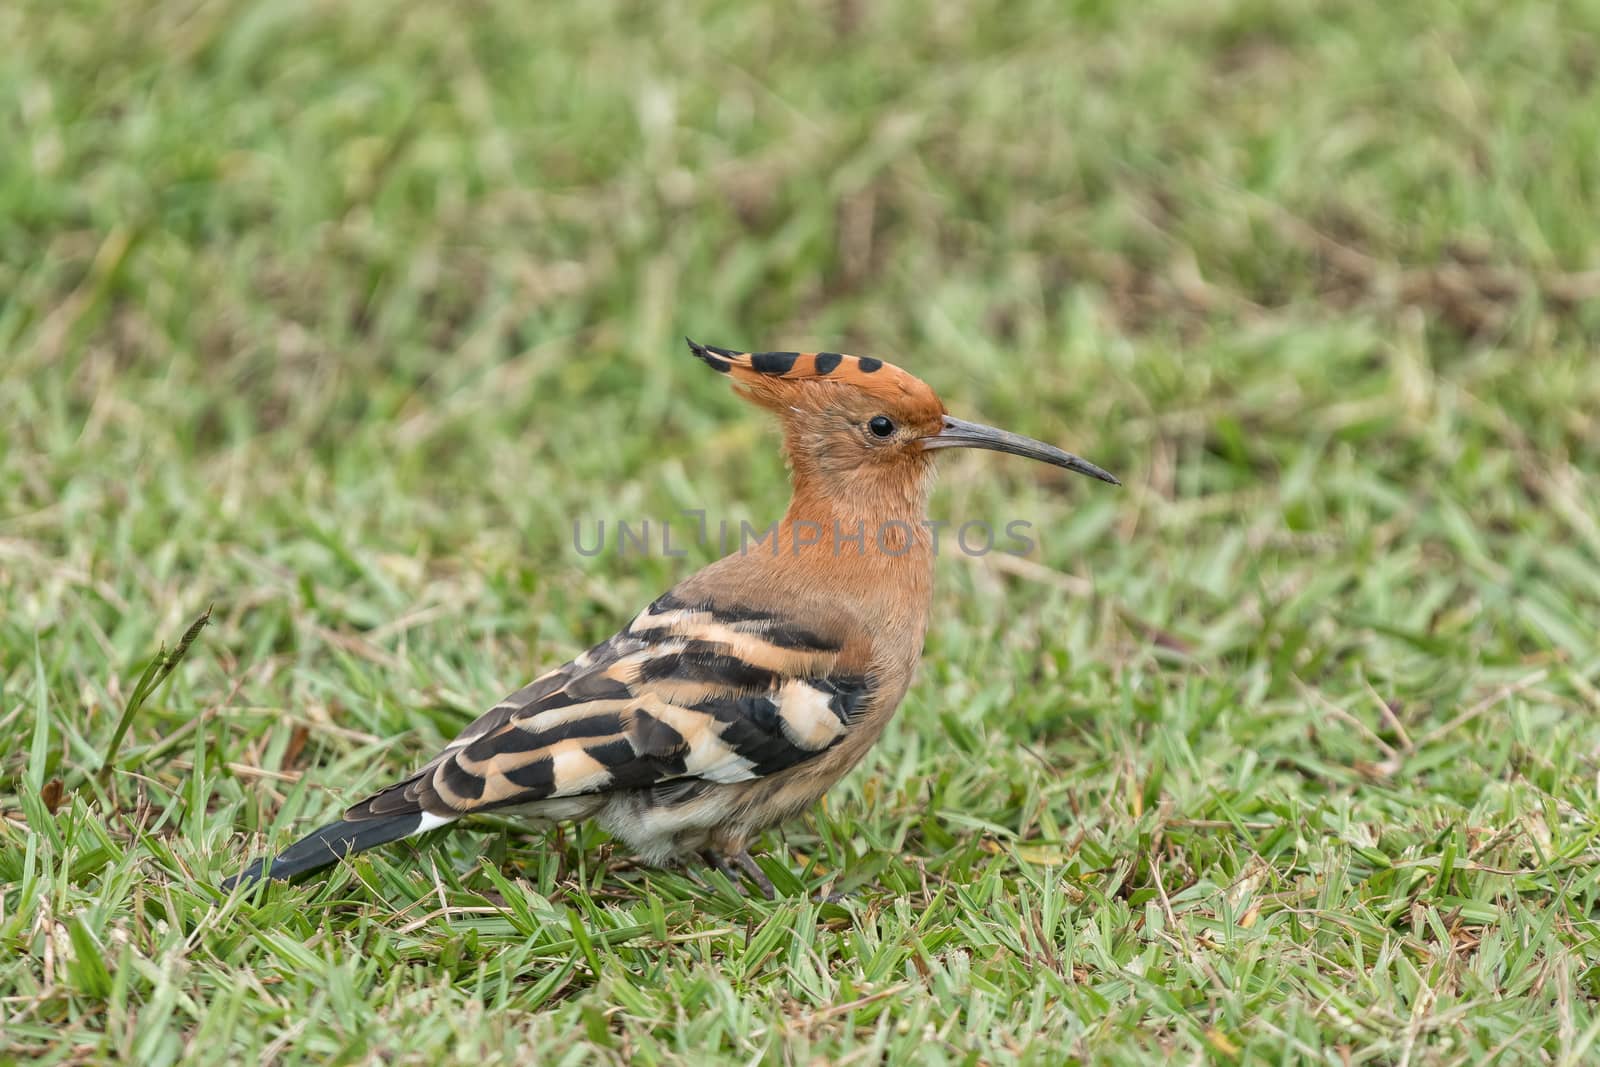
(737, 698)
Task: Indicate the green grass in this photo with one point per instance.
(335, 317)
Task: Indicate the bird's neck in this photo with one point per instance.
(855, 558)
(866, 555)
(868, 525)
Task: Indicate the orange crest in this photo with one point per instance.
(811, 381)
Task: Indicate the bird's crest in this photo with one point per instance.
(780, 380)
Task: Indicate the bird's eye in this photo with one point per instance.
(881, 426)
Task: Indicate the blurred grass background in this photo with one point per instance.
(338, 315)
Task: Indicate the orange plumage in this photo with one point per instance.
(736, 699)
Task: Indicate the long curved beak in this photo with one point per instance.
(958, 433)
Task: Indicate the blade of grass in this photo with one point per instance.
(159, 670)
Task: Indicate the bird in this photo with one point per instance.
(736, 699)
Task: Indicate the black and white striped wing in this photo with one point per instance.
(688, 692)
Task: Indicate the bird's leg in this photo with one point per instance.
(713, 858)
(746, 863)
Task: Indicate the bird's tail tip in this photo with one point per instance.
(332, 843)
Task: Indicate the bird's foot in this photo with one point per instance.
(744, 863)
(747, 863)
(713, 858)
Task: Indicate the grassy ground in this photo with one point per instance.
(337, 316)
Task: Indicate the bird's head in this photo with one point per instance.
(852, 417)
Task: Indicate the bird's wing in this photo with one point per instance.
(689, 691)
